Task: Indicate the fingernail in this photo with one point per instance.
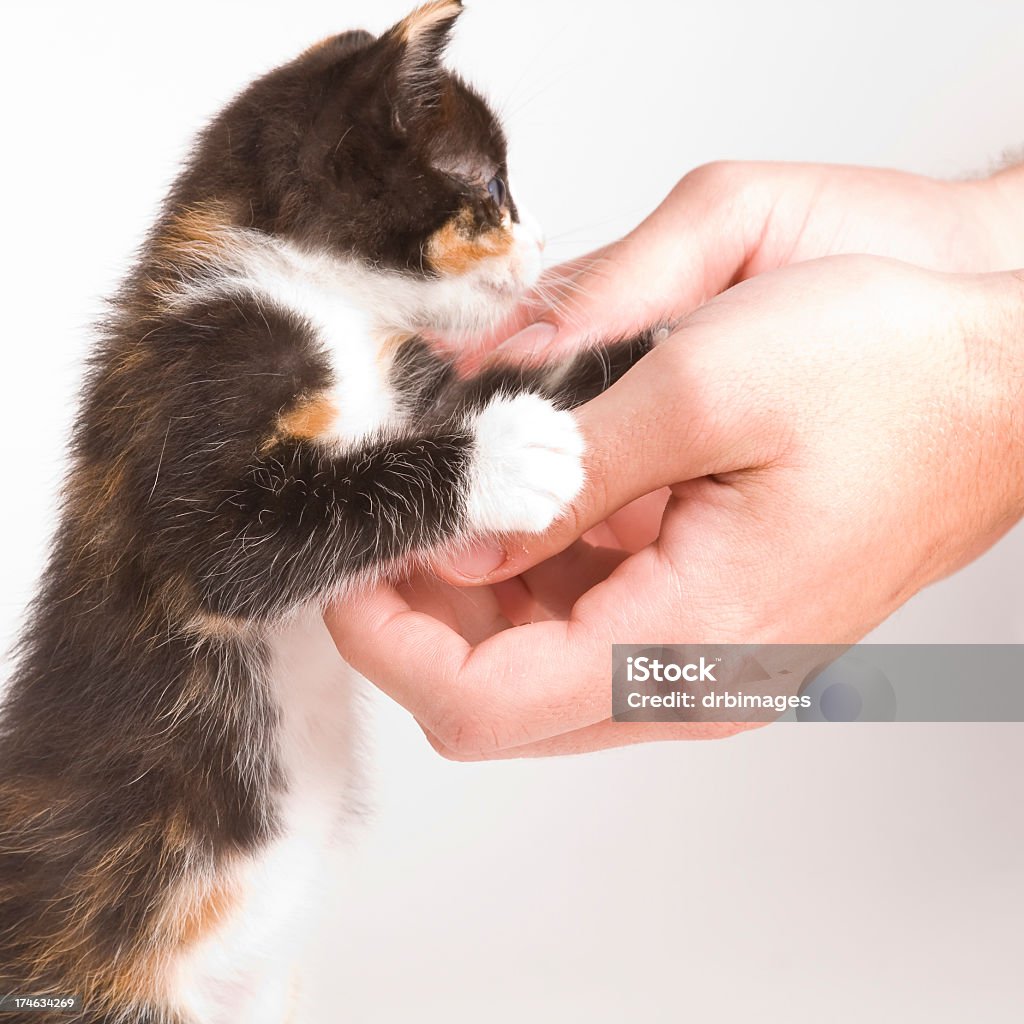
(530, 340)
(478, 560)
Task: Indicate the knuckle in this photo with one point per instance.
(467, 731)
(447, 753)
(714, 174)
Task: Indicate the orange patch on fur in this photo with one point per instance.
(135, 976)
(65, 953)
(310, 418)
(138, 983)
(198, 917)
(186, 919)
(456, 249)
(197, 228)
(193, 909)
(388, 348)
(217, 627)
(191, 239)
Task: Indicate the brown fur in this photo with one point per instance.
(189, 914)
(92, 492)
(129, 978)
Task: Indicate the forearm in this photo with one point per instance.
(994, 349)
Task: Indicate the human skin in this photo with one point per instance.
(726, 222)
(809, 449)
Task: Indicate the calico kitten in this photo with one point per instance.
(262, 425)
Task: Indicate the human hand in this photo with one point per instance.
(726, 222)
(835, 435)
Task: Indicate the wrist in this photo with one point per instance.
(994, 347)
(1000, 205)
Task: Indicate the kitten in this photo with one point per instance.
(262, 425)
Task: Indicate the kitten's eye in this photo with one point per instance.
(496, 190)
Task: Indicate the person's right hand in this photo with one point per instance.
(836, 435)
(726, 222)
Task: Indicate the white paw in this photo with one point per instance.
(527, 466)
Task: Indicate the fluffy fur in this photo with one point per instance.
(261, 426)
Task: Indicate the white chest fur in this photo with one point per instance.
(247, 968)
(360, 391)
(352, 311)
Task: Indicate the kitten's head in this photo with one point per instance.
(369, 148)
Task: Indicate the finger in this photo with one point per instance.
(417, 660)
(472, 355)
(555, 585)
(473, 613)
(523, 685)
(632, 527)
(550, 590)
(689, 249)
(602, 736)
(664, 422)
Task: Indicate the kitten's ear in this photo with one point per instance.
(418, 43)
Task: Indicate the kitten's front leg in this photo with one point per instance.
(597, 367)
(306, 519)
(527, 464)
(568, 383)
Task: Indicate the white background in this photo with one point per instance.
(808, 874)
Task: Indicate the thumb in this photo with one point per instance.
(687, 251)
(652, 429)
